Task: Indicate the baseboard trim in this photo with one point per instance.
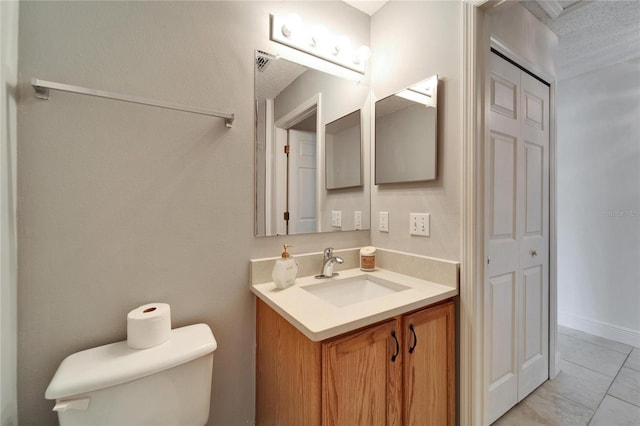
(599, 328)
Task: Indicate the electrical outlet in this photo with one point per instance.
(357, 219)
(383, 222)
(419, 224)
(336, 219)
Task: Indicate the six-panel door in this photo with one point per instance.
(516, 288)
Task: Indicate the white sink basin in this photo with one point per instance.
(348, 291)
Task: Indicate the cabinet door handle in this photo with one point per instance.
(395, 355)
(415, 339)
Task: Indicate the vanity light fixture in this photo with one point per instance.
(317, 41)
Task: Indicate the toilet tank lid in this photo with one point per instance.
(117, 363)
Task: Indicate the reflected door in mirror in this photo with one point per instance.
(302, 182)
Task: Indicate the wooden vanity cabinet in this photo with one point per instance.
(429, 366)
(288, 372)
(362, 377)
(397, 372)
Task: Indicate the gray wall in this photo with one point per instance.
(350, 200)
(515, 27)
(123, 204)
(411, 41)
(599, 202)
(8, 259)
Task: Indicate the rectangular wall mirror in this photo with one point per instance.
(406, 134)
(295, 191)
(343, 152)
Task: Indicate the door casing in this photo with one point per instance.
(476, 49)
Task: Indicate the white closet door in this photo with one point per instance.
(303, 216)
(516, 236)
(501, 236)
(533, 233)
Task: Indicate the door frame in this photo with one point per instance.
(476, 50)
(293, 117)
(270, 187)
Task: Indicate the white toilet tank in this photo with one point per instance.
(114, 385)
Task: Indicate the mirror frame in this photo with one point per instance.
(327, 200)
(418, 94)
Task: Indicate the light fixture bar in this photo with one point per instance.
(318, 42)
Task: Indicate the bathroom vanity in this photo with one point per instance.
(369, 356)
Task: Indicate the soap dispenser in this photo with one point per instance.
(285, 270)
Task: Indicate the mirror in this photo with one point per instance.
(343, 152)
(406, 134)
(295, 191)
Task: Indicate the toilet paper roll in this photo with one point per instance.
(148, 325)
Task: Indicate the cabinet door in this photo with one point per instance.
(361, 380)
(429, 366)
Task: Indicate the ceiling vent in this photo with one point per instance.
(263, 60)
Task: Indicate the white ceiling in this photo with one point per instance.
(275, 76)
(592, 34)
(366, 6)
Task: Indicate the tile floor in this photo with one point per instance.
(599, 385)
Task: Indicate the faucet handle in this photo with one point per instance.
(328, 253)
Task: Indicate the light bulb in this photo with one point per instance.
(291, 24)
(362, 55)
(318, 36)
(342, 44)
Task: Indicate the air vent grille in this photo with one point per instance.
(263, 59)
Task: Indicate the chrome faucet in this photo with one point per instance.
(327, 264)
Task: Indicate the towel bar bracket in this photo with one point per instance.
(41, 92)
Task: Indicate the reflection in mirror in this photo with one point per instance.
(405, 134)
(294, 105)
(343, 152)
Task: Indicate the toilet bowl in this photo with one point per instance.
(111, 385)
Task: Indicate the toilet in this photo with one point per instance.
(113, 385)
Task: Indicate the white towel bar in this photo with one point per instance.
(42, 88)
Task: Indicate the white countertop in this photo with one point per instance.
(320, 320)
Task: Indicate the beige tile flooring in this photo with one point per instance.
(599, 385)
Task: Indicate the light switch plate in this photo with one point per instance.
(336, 219)
(357, 219)
(383, 222)
(419, 224)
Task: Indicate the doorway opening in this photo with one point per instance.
(295, 169)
